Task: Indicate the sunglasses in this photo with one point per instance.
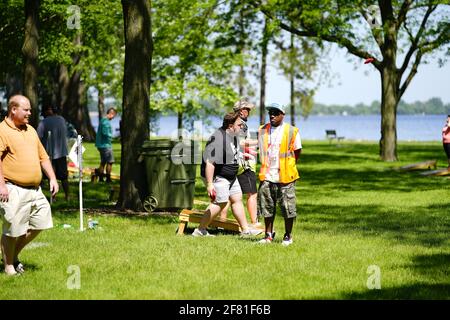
(274, 113)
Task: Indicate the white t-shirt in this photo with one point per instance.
(273, 151)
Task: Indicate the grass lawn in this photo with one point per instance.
(354, 214)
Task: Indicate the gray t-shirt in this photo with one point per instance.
(56, 146)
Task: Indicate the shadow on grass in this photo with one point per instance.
(369, 220)
(355, 152)
(435, 271)
(420, 291)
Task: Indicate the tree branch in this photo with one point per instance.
(411, 75)
(415, 41)
(375, 33)
(402, 13)
(330, 38)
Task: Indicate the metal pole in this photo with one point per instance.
(80, 175)
(50, 154)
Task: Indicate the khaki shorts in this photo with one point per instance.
(26, 209)
(269, 194)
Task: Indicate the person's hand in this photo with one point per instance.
(54, 187)
(211, 191)
(4, 193)
(250, 153)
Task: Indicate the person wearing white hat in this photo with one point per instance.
(279, 147)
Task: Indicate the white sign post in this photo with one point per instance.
(80, 175)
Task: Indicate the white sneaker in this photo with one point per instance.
(287, 241)
(251, 232)
(265, 240)
(199, 233)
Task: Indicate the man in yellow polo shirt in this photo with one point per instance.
(24, 209)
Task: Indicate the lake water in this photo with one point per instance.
(359, 128)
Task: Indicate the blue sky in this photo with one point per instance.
(356, 82)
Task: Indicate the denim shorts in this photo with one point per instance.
(106, 155)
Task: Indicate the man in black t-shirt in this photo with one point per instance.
(219, 169)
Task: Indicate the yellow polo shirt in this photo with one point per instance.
(21, 153)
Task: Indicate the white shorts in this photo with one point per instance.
(27, 208)
(224, 190)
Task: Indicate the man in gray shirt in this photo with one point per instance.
(52, 131)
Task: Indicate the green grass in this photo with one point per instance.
(354, 212)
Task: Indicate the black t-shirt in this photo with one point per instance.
(222, 151)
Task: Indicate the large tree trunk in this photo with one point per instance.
(63, 86)
(30, 51)
(136, 100)
(390, 83)
(262, 80)
(388, 141)
(73, 95)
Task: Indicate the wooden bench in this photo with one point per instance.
(331, 134)
(420, 165)
(440, 172)
(195, 216)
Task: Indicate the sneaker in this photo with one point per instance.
(19, 267)
(199, 233)
(267, 239)
(287, 241)
(251, 232)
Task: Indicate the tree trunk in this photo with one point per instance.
(262, 97)
(292, 100)
(14, 84)
(74, 106)
(390, 83)
(30, 51)
(241, 76)
(292, 78)
(63, 87)
(136, 101)
(101, 104)
(388, 141)
(180, 121)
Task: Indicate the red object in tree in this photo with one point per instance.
(369, 60)
(71, 164)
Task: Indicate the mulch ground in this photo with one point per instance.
(119, 212)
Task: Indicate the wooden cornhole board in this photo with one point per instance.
(72, 171)
(440, 172)
(420, 165)
(195, 216)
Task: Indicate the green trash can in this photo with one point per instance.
(171, 173)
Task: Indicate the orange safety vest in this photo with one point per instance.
(288, 167)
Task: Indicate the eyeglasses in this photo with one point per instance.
(274, 113)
